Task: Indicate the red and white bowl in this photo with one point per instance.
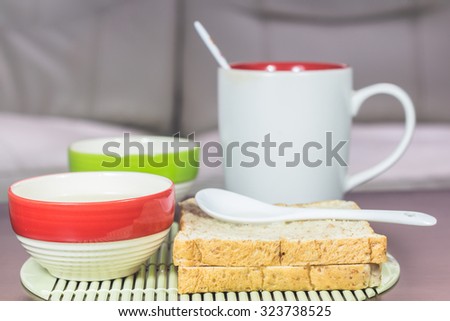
(90, 226)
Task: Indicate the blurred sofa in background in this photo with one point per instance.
(77, 69)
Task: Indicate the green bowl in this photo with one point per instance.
(172, 157)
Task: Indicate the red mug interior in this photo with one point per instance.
(294, 66)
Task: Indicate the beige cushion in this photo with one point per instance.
(107, 60)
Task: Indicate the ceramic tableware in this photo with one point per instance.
(285, 129)
(171, 157)
(92, 225)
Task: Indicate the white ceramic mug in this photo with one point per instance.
(285, 129)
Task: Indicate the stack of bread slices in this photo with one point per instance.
(216, 256)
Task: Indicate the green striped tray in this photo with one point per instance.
(157, 281)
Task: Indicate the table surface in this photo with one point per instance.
(421, 251)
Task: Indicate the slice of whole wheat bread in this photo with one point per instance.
(205, 241)
(201, 279)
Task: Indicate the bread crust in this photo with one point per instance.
(196, 279)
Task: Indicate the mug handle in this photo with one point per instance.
(410, 121)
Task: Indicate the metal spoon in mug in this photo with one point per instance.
(232, 207)
(211, 45)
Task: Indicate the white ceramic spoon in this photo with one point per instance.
(213, 49)
(228, 206)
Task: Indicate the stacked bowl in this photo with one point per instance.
(172, 157)
(89, 226)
